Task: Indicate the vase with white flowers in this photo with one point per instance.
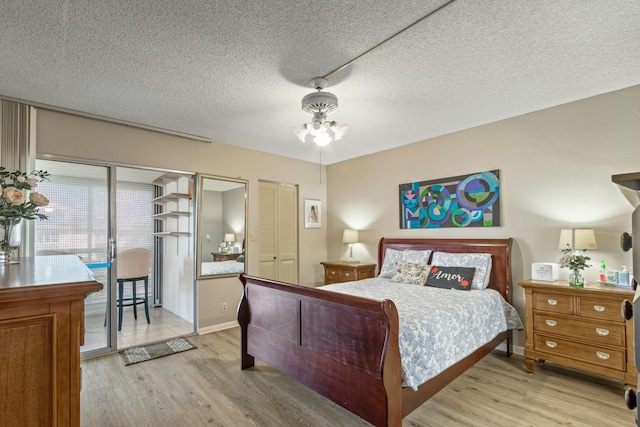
(18, 202)
(576, 262)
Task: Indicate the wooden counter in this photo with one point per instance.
(41, 331)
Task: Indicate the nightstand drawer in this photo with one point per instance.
(595, 355)
(348, 275)
(595, 332)
(599, 309)
(334, 274)
(555, 303)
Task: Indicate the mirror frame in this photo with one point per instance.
(201, 178)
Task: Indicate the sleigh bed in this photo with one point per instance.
(346, 347)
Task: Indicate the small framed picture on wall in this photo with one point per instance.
(312, 213)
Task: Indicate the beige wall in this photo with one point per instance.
(82, 138)
(555, 167)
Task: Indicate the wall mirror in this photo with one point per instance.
(221, 226)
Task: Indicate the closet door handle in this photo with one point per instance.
(552, 302)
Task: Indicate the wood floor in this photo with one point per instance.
(205, 387)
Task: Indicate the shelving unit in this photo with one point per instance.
(171, 197)
(171, 206)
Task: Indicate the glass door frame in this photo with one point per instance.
(111, 345)
(111, 263)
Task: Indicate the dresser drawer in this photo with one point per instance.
(595, 355)
(555, 303)
(599, 309)
(595, 332)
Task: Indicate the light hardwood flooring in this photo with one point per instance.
(205, 387)
(164, 325)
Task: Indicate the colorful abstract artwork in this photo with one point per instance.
(460, 201)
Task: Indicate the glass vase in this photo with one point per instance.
(576, 279)
(10, 237)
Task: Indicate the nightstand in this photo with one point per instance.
(579, 327)
(217, 256)
(343, 271)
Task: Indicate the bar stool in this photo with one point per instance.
(133, 265)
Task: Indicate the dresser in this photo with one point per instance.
(345, 271)
(41, 331)
(581, 328)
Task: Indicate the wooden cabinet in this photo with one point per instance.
(41, 331)
(579, 327)
(217, 256)
(343, 271)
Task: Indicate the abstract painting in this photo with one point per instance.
(460, 201)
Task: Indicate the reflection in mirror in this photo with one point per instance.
(221, 226)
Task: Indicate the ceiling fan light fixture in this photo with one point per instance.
(320, 104)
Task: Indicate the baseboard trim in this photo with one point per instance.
(218, 327)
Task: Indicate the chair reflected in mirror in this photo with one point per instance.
(133, 266)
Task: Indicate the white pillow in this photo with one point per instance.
(391, 256)
(481, 262)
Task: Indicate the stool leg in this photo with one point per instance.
(135, 301)
(120, 293)
(146, 297)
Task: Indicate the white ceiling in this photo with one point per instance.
(235, 71)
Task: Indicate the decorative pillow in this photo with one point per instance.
(481, 262)
(391, 256)
(451, 277)
(411, 272)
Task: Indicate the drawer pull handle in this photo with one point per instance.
(347, 274)
(602, 332)
(602, 355)
(551, 322)
(551, 344)
(599, 308)
(552, 302)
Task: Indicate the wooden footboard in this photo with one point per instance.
(333, 343)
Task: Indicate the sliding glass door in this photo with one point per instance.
(97, 212)
(80, 224)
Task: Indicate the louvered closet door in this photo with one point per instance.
(287, 233)
(267, 236)
(278, 233)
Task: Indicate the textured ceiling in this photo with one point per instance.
(235, 71)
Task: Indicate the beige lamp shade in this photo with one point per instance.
(578, 239)
(350, 236)
(229, 237)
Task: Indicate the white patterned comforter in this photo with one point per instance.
(222, 267)
(438, 327)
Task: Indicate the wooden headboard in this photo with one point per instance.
(500, 250)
